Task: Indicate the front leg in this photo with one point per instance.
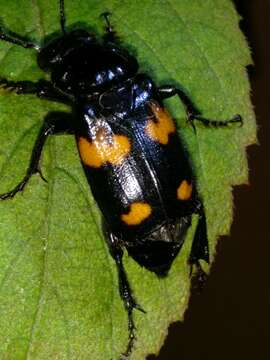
(54, 123)
(43, 89)
(193, 113)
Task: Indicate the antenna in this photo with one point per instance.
(62, 16)
(106, 15)
(110, 35)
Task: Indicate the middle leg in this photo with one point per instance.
(54, 123)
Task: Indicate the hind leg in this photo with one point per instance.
(124, 287)
(199, 250)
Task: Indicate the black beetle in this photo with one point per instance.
(132, 155)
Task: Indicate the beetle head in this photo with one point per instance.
(53, 53)
(80, 65)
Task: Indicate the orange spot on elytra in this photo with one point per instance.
(162, 126)
(103, 150)
(184, 190)
(138, 212)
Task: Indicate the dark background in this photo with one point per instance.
(230, 319)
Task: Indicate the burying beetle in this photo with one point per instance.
(133, 158)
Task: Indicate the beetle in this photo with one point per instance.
(138, 170)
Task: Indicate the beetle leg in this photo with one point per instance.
(168, 91)
(43, 89)
(17, 40)
(199, 248)
(124, 287)
(215, 123)
(55, 123)
(193, 113)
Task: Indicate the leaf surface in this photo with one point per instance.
(58, 285)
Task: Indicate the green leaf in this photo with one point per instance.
(58, 285)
